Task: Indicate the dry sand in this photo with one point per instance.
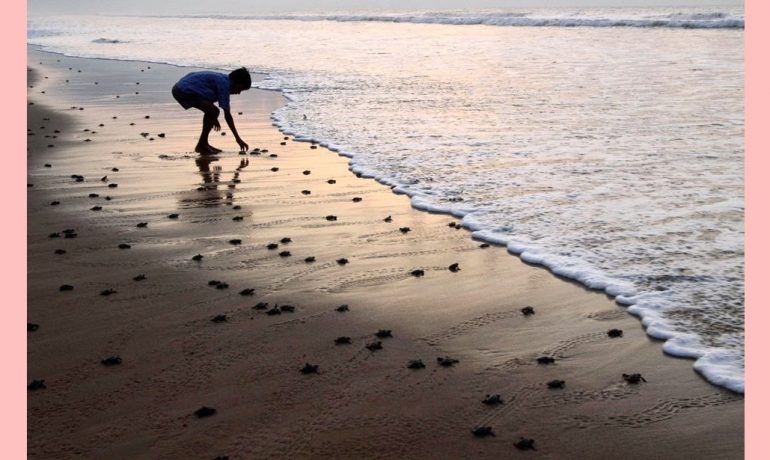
(361, 404)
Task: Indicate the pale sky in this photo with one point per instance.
(171, 7)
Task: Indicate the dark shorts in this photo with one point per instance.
(186, 100)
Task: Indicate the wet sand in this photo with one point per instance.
(361, 403)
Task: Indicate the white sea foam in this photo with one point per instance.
(612, 156)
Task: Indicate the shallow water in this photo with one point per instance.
(613, 155)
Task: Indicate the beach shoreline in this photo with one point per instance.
(362, 403)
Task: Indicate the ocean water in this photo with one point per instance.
(606, 144)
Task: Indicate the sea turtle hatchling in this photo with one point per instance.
(108, 292)
(417, 273)
(112, 361)
(545, 360)
(35, 385)
(246, 292)
(60, 251)
(482, 431)
(287, 308)
(454, 268)
(343, 340)
(405, 230)
(525, 444)
(141, 225)
(310, 259)
(633, 378)
(374, 346)
(527, 311)
(383, 333)
(342, 261)
(343, 308)
(309, 369)
(492, 400)
(446, 361)
(32, 327)
(219, 319)
(555, 384)
(235, 241)
(286, 240)
(222, 285)
(197, 257)
(416, 364)
(274, 311)
(140, 277)
(331, 218)
(173, 216)
(124, 246)
(261, 306)
(272, 246)
(615, 333)
(205, 411)
(66, 287)
(285, 253)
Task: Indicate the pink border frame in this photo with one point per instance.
(757, 111)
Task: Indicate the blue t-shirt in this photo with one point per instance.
(211, 86)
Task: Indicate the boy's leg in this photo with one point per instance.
(210, 115)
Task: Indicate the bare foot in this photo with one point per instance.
(206, 150)
(216, 150)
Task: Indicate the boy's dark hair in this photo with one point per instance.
(241, 76)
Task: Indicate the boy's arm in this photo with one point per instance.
(229, 119)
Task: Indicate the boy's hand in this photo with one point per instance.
(217, 127)
(244, 146)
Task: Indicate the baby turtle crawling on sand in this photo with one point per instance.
(416, 364)
(633, 378)
(272, 246)
(286, 240)
(545, 360)
(113, 186)
(343, 308)
(331, 181)
(237, 207)
(54, 235)
(285, 253)
(96, 208)
(383, 333)
(306, 192)
(222, 285)
(526, 311)
(492, 400)
(342, 261)
(235, 241)
(446, 361)
(219, 319)
(274, 311)
(112, 361)
(261, 306)
(173, 216)
(141, 225)
(32, 327)
(614, 333)
(343, 340)
(124, 246)
(482, 431)
(197, 257)
(306, 172)
(214, 282)
(405, 230)
(388, 219)
(93, 195)
(274, 169)
(454, 268)
(36, 385)
(418, 273)
(140, 277)
(288, 308)
(331, 218)
(248, 291)
(309, 259)
(238, 218)
(525, 444)
(309, 369)
(60, 251)
(374, 346)
(357, 199)
(66, 287)
(484, 245)
(555, 384)
(55, 203)
(108, 292)
(205, 412)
